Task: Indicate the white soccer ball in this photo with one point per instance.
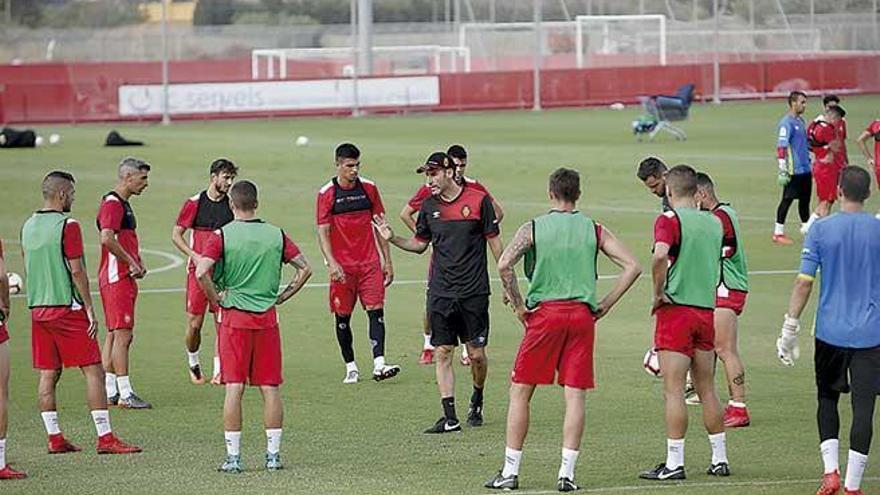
(617, 106)
(54, 138)
(15, 283)
(38, 141)
(651, 363)
(302, 141)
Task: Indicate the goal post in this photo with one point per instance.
(587, 24)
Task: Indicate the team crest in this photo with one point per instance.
(466, 211)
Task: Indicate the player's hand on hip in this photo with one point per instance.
(523, 314)
(659, 301)
(381, 225)
(601, 310)
(388, 273)
(137, 270)
(787, 343)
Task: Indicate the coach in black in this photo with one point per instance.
(459, 221)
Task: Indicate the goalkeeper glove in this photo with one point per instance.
(784, 177)
(786, 344)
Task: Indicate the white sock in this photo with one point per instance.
(569, 459)
(830, 451)
(2, 453)
(233, 442)
(193, 358)
(736, 404)
(877, 216)
(110, 384)
(855, 468)
(779, 229)
(216, 366)
(102, 421)
(674, 453)
(273, 440)
(427, 345)
(718, 442)
(511, 462)
(352, 366)
(378, 362)
(125, 390)
(50, 421)
(812, 220)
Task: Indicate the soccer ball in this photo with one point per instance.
(15, 283)
(651, 363)
(54, 138)
(302, 141)
(38, 141)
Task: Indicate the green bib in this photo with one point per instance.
(693, 277)
(561, 265)
(251, 269)
(49, 282)
(734, 270)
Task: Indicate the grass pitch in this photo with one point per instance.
(366, 439)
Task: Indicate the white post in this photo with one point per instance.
(874, 21)
(255, 66)
(536, 73)
(365, 36)
(716, 63)
(579, 43)
(663, 40)
(355, 106)
(166, 114)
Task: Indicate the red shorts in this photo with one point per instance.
(63, 342)
(559, 338)
(365, 282)
(4, 335)
(119, 300)
(251, 356)
(684, 329)
(730, 299)
(826, 177)
(196, 300)
(877, 173)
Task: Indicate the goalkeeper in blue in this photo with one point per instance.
(844, 247)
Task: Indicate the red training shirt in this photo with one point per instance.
(116, 214)
(349, 213)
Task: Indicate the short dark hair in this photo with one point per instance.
(651, 167)
(221, 165)
(793, 96)
(855, 183)
(457, 151)
(53, 182)
(682, 180)
(704, 181)
(60, 174)
(565, 184)
(243, 195)
(347, 150)
(830, 98)
(837, 110)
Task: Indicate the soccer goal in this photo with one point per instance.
(404, 59)
(620, 35)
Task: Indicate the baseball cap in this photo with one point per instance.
(438, 159)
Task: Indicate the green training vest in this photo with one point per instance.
(693, 278)
(734, 270)
(251, 269)
(561, 265)
(49, 282)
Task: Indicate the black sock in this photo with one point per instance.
(343, 336)
(449, 408)
(477, 396)
(377, 331)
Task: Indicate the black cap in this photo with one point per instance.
(438, 159)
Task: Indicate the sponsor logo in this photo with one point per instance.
(466, 211)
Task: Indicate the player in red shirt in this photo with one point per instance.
(345, 209)
(250, 341)
(63, 335)
(203, 213)
(121, 267)
(872, 131)
(825, 147)
(6, 471)
(841, 157)
(458, 154)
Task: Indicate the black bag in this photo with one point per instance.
(116, 139)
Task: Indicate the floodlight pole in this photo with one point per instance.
(355, 100)
(536, 73)
(166, 113)
(716, 63)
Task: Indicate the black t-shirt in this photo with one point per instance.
(458, 231)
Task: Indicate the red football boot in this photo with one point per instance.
(7, 473)
(59, 445)
(427, 356)
(736, 417)
(109, 444)
(830, 484)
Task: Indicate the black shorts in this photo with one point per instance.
(799, 187)
(839, 367)
(463, 320)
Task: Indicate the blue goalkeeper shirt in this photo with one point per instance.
(792, 135)
(846, 247)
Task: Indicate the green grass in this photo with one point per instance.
(367, 439)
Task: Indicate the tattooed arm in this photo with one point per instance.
(521, 243)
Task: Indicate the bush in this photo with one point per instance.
(106, 13)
